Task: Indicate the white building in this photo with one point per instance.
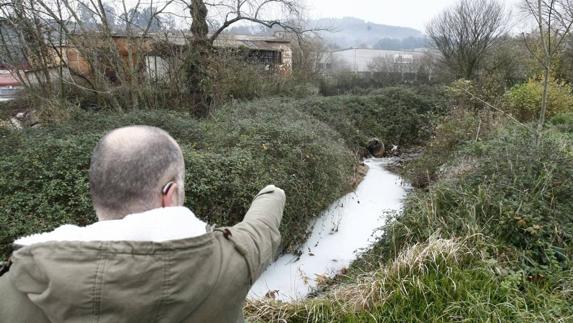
(364, 60)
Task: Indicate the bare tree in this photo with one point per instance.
(88, 29)
(465, 32)
(566, 63)
(554, 22)
(49, 31)
(403, 67)
(227, 13)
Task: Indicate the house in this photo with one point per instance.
(9, 84)
(273, 53)
(150, 56)
(116, 58)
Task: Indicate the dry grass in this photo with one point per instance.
(368, 290)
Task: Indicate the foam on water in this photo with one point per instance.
(348, 226)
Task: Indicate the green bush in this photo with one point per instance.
(514, 193)
(493, 242)
(234, 77)
(448, 287)
(524, 100)
(44, 183)
(43, 172)
(456, 128)
(397, 116)
(305, 146)
(349, 83)
(268, 141)
(563, 122)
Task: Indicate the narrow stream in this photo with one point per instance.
(346, 228)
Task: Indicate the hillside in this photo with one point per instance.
(351, 32)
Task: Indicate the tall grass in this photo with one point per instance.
(440, 280)
(490, 239)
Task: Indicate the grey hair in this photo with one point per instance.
(129, 166)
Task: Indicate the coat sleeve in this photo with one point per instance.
(15, 305)
(257, 237)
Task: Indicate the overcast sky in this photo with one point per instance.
(406, 13)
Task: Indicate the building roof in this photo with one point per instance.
(229, 41)
(7, 79)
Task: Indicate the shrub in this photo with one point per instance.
(459, 126)
(493, 241)
(515, 194)
(269, 141)
(524, 100)
(44, 184)
(235, 78)
(344, 82)
(563, 122)
(396, 115)
(304, 146)
(43, 172)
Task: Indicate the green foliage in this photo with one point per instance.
(455, 128)
(235, 77)
(43, 172)
(524, 100)
(563, 123)
(344, 82)
(303, 146)
(510, 190)
(468, 120)
(475, 95)
(269, 141)
(564, 68)
(490, 239)
(514, 198)
(44, 177)
(43, 184)
(436, 281)
(396, 115)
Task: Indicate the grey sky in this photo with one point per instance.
(406, 13)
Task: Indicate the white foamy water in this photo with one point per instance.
(347, 227)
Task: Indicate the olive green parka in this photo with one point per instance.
(199, 279)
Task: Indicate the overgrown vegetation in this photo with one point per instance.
(525, 99)
(132, 56)
(487, 233)
(490, 237)
(345, 82)
(298, 145)
(398, 115)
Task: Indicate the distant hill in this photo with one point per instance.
(353, 32)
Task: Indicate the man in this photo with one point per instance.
(148, 259)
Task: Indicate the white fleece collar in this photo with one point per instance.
(158, 225)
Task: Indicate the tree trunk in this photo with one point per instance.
(196, 67)
(543, 102)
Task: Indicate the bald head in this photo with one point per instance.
(129, 168)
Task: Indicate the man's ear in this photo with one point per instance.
(169, 196)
